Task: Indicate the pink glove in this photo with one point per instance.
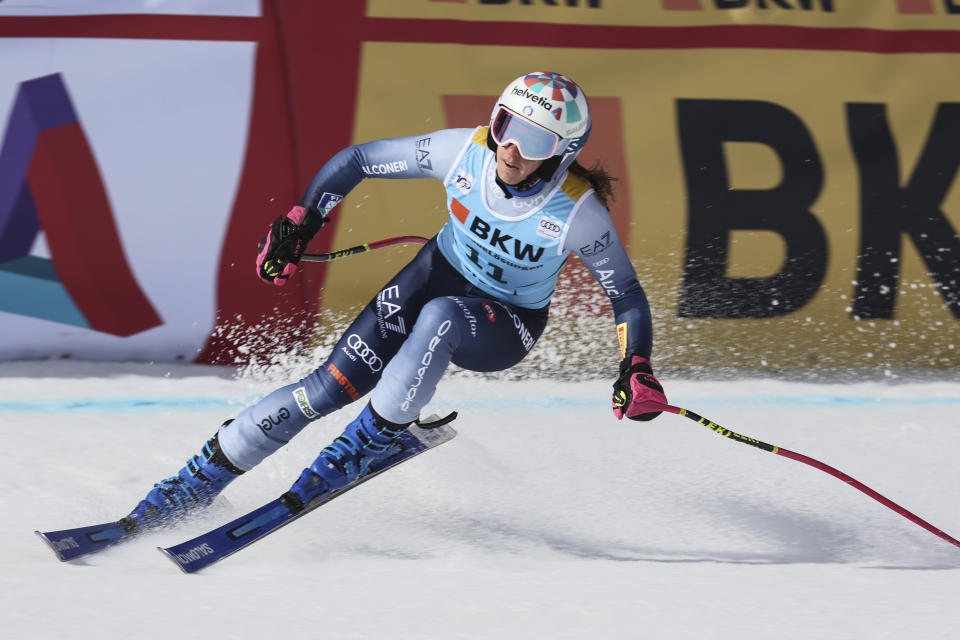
(281, 248)
(637, 394)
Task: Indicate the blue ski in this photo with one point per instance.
(74, 543)
(69, 544)
(215, 545)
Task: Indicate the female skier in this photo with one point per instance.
(477, 294)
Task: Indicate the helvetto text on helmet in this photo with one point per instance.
(533, 97)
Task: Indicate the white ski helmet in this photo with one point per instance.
(547, 116)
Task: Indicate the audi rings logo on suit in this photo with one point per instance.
(363, 351)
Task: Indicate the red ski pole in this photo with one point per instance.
(799, 457)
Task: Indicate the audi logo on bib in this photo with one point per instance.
(366, 354)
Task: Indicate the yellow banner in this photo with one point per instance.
(872, 14)
(787, 209)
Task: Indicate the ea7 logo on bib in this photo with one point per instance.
(549, 228)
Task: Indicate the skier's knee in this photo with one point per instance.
(439, 320)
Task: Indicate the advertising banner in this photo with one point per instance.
(786, 168)
(872, 14)
(786, 207)
(105, 179)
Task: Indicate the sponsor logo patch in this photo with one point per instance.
(300, 395)
(328, 201)
(464, 182)
(549, 228)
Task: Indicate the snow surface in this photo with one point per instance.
(544, 518)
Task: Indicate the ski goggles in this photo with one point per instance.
(535, 142)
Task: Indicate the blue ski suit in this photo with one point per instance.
(477, 294)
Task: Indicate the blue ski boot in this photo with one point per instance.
(194, 487)
(365, 441)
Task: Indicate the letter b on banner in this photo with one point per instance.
(716, 209)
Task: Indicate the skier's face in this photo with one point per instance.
(512, 167)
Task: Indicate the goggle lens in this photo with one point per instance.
(533, 141)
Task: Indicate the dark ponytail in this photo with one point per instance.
(599, 179)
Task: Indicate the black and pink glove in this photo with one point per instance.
(637, 394)
(281, 249)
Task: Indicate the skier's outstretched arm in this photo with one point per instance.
(593, 237)
(425, 156)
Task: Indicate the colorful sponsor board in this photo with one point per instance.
(104, 179)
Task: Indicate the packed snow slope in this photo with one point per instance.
(544, 518)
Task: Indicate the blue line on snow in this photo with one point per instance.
(114, 404)
(508, 404)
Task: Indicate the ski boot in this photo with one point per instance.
(366, 440)
(196, 485)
